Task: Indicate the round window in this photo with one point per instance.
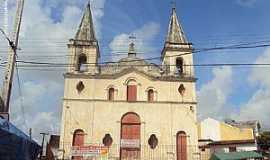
(107, 140)
(153, 141)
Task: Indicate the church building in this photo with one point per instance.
(132, 109)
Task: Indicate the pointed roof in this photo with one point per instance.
(86, 29)
(175, 30)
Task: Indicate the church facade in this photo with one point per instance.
(132, 109)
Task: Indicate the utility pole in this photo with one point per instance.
(13, 44)
(30, 133)
(42, 144)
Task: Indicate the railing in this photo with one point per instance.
(144, 152)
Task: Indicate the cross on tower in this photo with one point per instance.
(90, 2)
(173, 2)
(132, 37)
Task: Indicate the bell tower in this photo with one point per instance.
(177, 52)
(84, 49)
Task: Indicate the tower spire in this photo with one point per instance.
(175, 33)
(86, 29)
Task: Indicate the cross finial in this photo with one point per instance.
(132, 37)
(173, 4)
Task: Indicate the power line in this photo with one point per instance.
(155, 58)
(21, 96)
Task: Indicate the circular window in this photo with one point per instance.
(153, 141)
(107, 140)
(182, 89)
(80, 86)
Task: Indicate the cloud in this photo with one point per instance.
(144, 36)
(40, 102)
(257, 108)
(246, 3)
(213, 96)
(258, 74)
(42, 39)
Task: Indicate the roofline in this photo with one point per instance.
(127, 71)
(230, 142)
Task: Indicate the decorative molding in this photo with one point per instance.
(124, 101)
(130, 70)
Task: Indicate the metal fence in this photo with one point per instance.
(143, 152)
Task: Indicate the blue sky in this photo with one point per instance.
(241, 93)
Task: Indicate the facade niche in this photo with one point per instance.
(150, 95)
(82, 63)
(111, 94)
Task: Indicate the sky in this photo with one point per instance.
(240, 93)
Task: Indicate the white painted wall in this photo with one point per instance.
(210, 129)
(239, 148)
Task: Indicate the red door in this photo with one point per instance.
(181, 146)
(78, 140)
(131, 93)
(130, 136)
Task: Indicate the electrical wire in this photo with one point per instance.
(21, 96)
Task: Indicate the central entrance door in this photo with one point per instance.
(181, 145)
(130, 136)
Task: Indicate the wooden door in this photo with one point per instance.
(181, 146)
(131, 93)
(130, 137)
(78, 140)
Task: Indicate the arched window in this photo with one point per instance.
(111, 94)
(82, 63)
(78, 140)
(132, 91)
(181, 145)
(150, 95)
(179, 65)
